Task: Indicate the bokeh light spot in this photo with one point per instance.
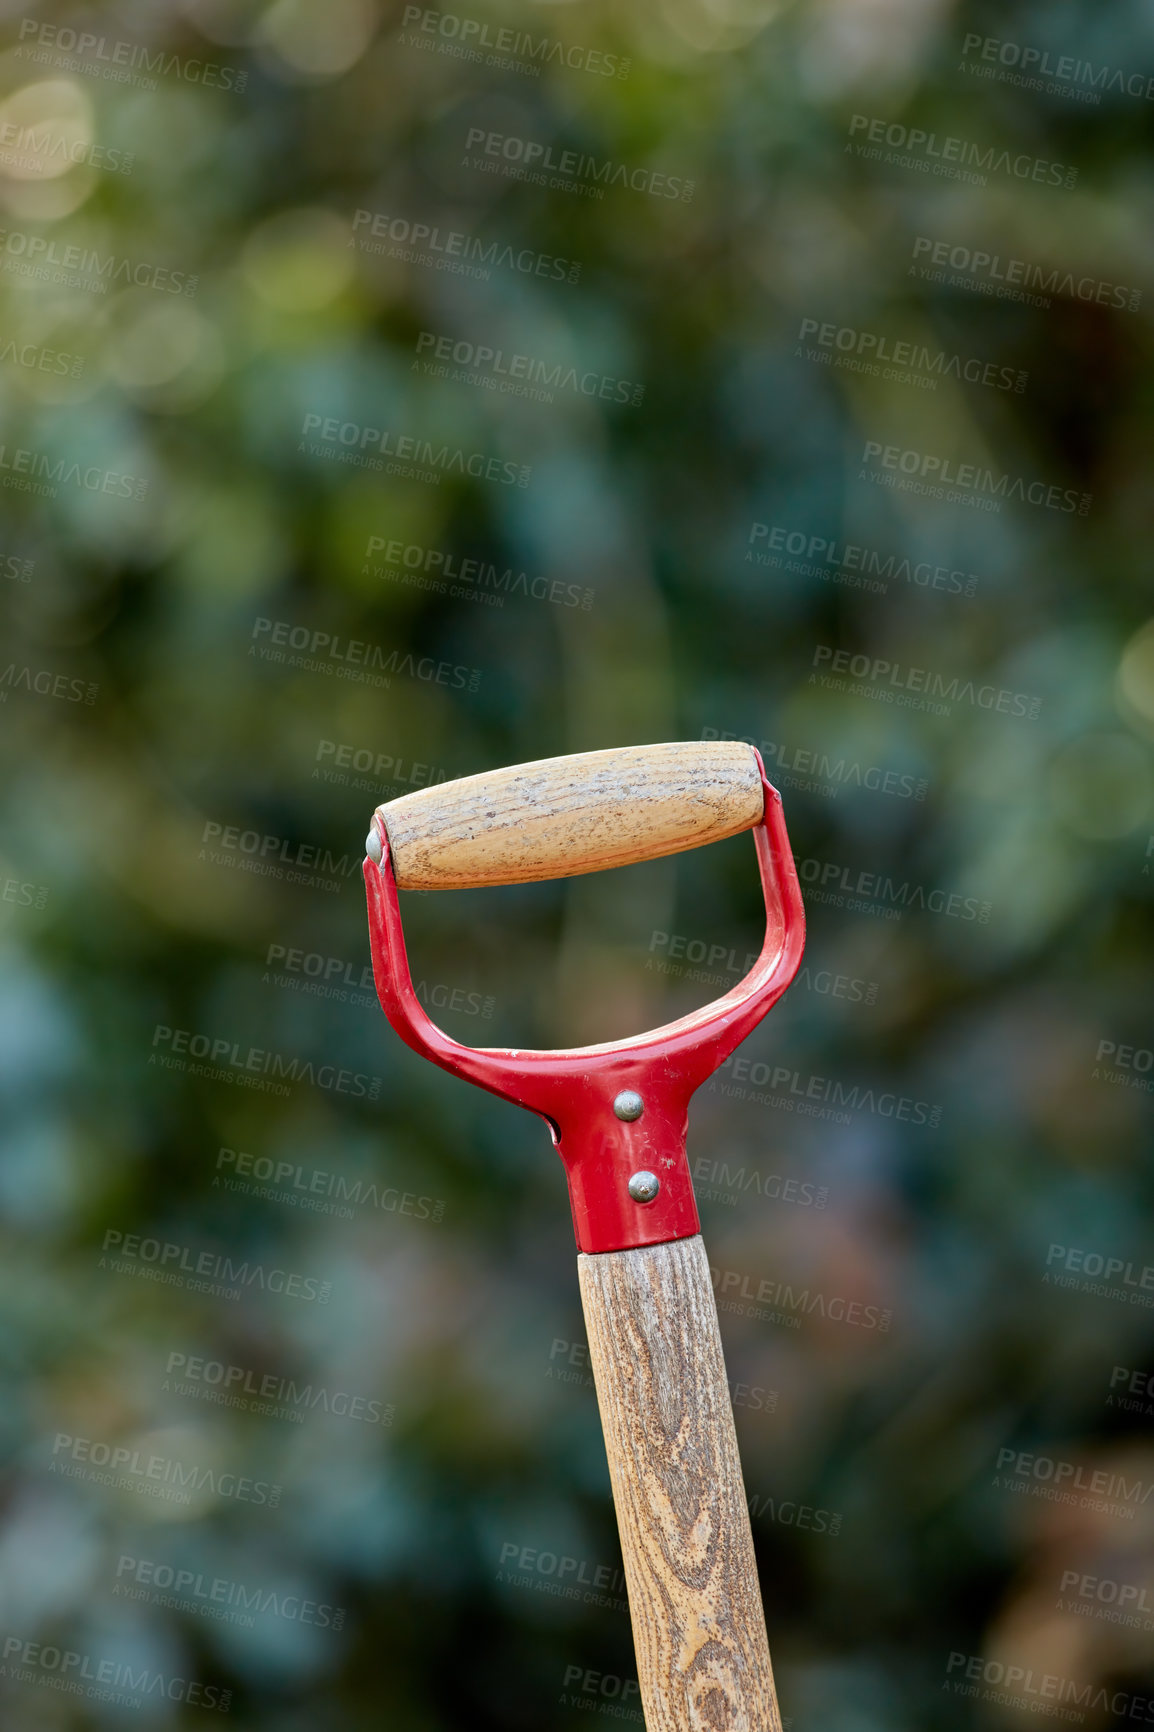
(299, 260)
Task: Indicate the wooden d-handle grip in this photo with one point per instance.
(560, 817)
(698, 1627)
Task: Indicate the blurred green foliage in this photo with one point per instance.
(212, 256)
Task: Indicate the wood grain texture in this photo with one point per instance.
(698, 1626)
(560, 817)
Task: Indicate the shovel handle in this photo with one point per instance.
(559, 817)
(698, 1626)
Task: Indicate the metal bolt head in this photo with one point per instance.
(643, 1187)
(629, 1106)
(373, 845)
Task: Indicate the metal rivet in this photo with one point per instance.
(373, 845)
(643, 1187)
(629, 1105)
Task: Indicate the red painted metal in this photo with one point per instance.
(574, 1090)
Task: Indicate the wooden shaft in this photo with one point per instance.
(698, 1626)
(560, 817)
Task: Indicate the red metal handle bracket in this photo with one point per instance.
(574, 1090)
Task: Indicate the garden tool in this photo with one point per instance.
(617, 1114)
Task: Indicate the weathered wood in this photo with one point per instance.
(560, 817)
(698, 1626)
